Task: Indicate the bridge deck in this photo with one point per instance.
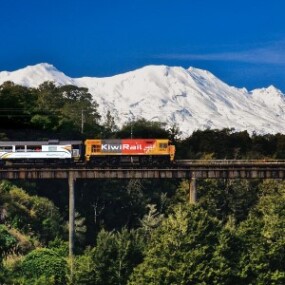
(244, 169)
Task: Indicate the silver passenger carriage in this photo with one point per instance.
(33, 151)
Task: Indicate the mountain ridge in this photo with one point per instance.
(190, 98)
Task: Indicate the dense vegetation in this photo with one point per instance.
(137, 231)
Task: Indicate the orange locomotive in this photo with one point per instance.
(129, 151)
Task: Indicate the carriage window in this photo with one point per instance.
(96, 148)
(163, 145)
(6, 148)
(20, 148)
(35, 148)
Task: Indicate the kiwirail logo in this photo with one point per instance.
(119, 147)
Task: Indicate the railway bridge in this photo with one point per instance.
(182, 169)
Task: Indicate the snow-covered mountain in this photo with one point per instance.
(190, 98)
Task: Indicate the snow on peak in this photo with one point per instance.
(190, 98)
(270, 97)
(270, 91)
(34, 75)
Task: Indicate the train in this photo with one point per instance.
(95, 152)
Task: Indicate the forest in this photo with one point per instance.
(137, 231)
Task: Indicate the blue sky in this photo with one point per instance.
(242, 42)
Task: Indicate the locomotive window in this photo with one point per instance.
(96, 148)
(163, 145)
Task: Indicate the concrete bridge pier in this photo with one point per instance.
(71, 184)
(192, 189)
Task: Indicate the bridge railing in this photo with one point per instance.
(230, 162)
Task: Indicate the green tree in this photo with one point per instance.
(262, 235)
(142, 128)
(17, 104)
(263, 146)
(219, 144)
(42, 121)
(7, 242)
(174, 133)
(112, 260)
(110, 127)
(50, 99)
(47, 109)
(189, 247)
(151, 220)
(79, 108)
(42, 265)
(280, 146)
(113, 205)
(30, 214)
(227, 198)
